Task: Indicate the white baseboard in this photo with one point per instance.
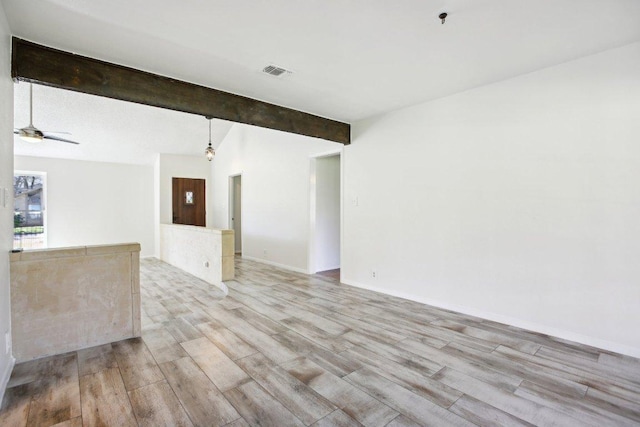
(275, 264)
(508, 320)
(4, 379)
(224, 288)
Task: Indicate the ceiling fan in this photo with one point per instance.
(31, 133)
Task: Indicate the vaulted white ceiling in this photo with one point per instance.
(109, 130)
(351, 58)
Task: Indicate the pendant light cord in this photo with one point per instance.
(30, 105)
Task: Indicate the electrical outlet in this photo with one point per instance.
(7, 342)
(374, 274)
(264, 252)
(206, 264)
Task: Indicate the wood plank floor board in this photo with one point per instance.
(419, 382)
(483, 414)
(286, 348)
(202, 401)
(627, 408)
(262, 308)
(402, 421)
(259, 408)
(96, 359)
(197, 315)
(228, 342)
(327, 325)
(263, 342)
(137, 365)
(575, 408)
(579, 362)
(620, 362)
(316, 334)
(57, 398)
(182, 330)
(591, 378)
(216, 365)
(362, 326)
(353, 401)
(394, 353)
(404, 401)
(516, 406)
(300, 399)
(156, 405)
(240, 422)
(435, 337)
(337, 419)
(104, 400)
(539, 375)
(259, 321)
(162, 345)
(75, 422)
(502, 380)
(26, 372)
(489, 336)
(14, 410)
(329, 360)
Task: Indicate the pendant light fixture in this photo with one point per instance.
(209, 152)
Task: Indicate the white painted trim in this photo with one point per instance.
(508, 320)
(223, 287)
(311, 251)
(311, 245)
(6, 375)
(275, 264)
(330, 153)
(231, 194)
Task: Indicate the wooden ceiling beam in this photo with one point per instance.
(35, 63)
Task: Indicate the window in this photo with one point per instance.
(29, 210)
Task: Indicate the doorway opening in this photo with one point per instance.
(235, 210)
(29, 219)
(326, 212)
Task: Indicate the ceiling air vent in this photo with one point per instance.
(275, 71)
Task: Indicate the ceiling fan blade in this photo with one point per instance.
(55, 131)
(16, 131)
(55, 138)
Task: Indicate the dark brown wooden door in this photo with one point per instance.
(189, 204)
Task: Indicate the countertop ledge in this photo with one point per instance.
(197, 228)
(75, 251)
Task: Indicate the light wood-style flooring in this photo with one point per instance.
(287, 349)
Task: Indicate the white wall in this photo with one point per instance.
(518, 201)
(275, 169)
(327, 218)
(6, 211)
(93, 203)
(168, 166)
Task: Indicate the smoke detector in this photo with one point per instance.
(275, 71)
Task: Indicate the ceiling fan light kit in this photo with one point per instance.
(30, 134)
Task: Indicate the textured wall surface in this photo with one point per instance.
(207, 253)
(73, 298)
